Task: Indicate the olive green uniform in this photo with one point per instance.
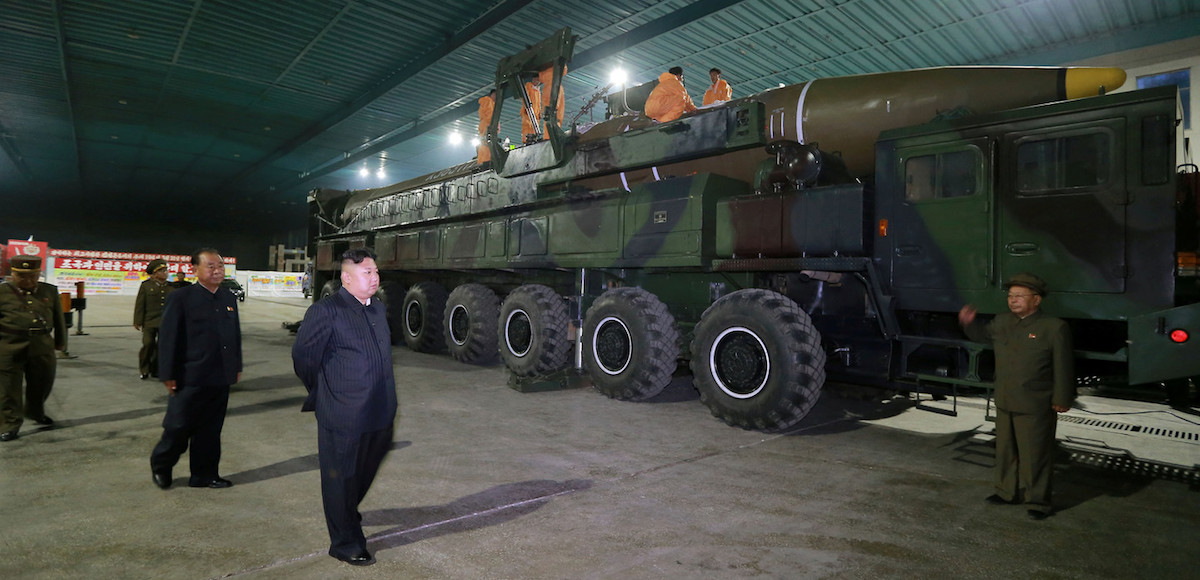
(31, 328)
(147, 313)
(1034, 371)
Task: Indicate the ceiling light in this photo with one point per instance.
(381, 173)
(363, 172)
(617, 76)
(455, 138)
(475, 141)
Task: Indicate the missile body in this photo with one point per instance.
(844, 115)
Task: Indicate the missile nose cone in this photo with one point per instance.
(1092, 81)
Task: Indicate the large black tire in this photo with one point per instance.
(757, 360)
(630, 344)
(533, 331)
(329, 289)
(421, 318)
(470, 319)
(392, 294)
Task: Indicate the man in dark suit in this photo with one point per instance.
(200, 356)
(1035, 380)
(343, 354)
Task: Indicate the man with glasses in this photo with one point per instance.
(31, 328)
(1035, 380)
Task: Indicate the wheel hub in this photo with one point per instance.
(612, 346)
(740, 363)
(518, 333)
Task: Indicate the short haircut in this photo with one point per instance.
(676, 70)
(714, 69)
(196, 254)
(357, 255)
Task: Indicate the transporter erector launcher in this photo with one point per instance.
(834, 226)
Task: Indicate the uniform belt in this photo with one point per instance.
(25, 332)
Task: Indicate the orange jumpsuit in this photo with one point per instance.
(721, 91)
(669, 100)
(487, 105)
(547, 76)
(535, 98)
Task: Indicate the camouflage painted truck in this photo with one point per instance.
(832, 228)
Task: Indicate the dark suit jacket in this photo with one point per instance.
(200, 340)
(343, 354)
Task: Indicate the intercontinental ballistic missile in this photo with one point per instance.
(843, 115)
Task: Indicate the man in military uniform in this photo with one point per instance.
(147, 314)
(1035, 379)
(31, 328)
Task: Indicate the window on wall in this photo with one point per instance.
(1181, 79)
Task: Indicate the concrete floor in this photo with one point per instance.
(486, 482)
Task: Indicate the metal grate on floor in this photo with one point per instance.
(1138, 467)
(1115, 426)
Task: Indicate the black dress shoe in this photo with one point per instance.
(363, 558)
(215, 483)
(145, 376)
(1037, 515)
(995, 499)
(44, 420)
(8, 435)
(162, 479)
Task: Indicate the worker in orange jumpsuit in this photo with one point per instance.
(719, 91)
(487, 104)
(535, 99)
(547, 78)
(669, 100)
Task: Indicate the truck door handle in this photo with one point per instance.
(1021, 248)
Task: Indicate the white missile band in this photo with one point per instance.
(656, 177)
(800, 112)
(624, 183)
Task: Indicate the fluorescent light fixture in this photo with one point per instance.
(455, 138)
(617, 76)
(363, 172)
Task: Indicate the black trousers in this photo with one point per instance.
(195, 415)
(349, 462)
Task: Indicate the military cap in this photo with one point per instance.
(27, 264)
(1029, 281)
(156, 265)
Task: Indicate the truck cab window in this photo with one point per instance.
(1064, 164)
(942, 175)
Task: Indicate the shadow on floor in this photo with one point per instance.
(494, 506)
(289, 467)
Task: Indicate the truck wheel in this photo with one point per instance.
(329, 289)
(392, 294)
(533, 331)
(470, 315)
(422, 317)
(757, 360)
(630, 344)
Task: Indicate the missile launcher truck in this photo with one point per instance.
(827, 230)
